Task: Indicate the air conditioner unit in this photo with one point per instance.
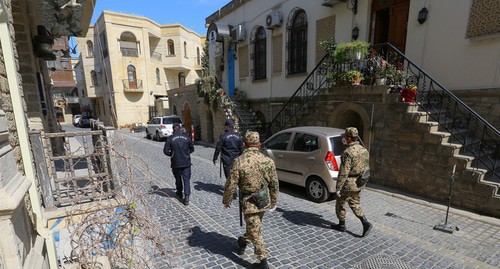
(273, 20)
(238, 33)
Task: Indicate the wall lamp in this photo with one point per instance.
(422, 15)
(355, 33)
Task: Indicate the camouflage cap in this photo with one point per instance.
(252, 138)
(351, 131)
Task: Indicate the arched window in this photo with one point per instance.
(158, 81)
(185, 49)
(90, 48)
(131, 76)
(93, 78)
(259, 47)
(170, 47)
(128, 45)
(182, 79)
(297, 41)
(198, 58)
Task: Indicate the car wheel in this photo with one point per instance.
(148, 135)
(157, 136)
(316, 190)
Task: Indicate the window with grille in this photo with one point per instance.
(260, 54)
(90, 49)
(297, 43)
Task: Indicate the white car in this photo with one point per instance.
(307, 156)
(161, 127)
(76, 119)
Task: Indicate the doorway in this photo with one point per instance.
(389, 22)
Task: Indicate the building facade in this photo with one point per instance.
(129, 64)
(27, 32)
(267, 48)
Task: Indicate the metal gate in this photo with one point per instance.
(73, 167)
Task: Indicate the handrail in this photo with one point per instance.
(312, 84)
(477, 136)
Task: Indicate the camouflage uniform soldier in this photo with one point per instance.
(355, 161)
(251, 172)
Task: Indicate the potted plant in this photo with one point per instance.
(353, 77)
(351, 51)
(409, 93)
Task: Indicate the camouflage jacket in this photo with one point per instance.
(355, 160)
(250, 172)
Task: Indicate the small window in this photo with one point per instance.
(170, 47)
(93, 78)
(90, 48)
(185, 49)
(260, 54)
(158, 76)
(198, 58)
(279, 142)
(132, 78)
(182, 79)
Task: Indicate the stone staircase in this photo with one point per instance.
(409, 150)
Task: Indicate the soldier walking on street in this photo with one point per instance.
(179, 147)
(355, 161)
(255, 175)
(230, 146)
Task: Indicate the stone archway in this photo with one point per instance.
(186, 117)
(352, 115)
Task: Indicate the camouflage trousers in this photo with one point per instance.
(354, 201)
(253, 234)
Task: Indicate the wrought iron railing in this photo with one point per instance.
(478, 137)
(316, 80)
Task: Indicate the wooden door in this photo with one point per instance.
(389, 22)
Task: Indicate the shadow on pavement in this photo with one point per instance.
(217, 244)
(304, 218)
(209, 187)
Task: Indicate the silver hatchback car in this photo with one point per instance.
(307, 156)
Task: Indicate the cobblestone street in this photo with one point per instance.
(298, 234)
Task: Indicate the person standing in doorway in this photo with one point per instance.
(179, 147)
(355, 161)
(230, 146)
(255, 175)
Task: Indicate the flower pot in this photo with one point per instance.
(409, 95)
(380, 81)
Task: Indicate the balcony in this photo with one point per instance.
(156, 56)
(132, 86)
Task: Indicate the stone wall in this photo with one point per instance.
(406, 152)
(486, 102)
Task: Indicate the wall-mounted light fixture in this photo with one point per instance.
(355, 33)
(422, 15)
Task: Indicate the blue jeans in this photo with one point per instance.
(182, 179)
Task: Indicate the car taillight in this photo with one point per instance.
(331, 162)
(163, 126)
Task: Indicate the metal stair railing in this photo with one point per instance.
(478, 137)
(311, 86)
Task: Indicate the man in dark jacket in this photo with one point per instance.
(230, 146)
(179, 147)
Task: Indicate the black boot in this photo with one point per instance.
(262, 265)
(339, 227)
(179, 195)
(241, 246)
(186, 200)
(367, 227)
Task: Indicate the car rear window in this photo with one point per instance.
(337, 146)
(171, 120)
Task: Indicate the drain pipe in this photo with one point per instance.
(22, 131)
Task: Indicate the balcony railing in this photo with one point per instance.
(132, 86)
(129, 52)
(156, 56)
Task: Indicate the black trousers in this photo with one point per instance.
(182, 179)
